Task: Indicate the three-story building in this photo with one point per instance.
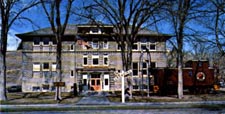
(92, 68)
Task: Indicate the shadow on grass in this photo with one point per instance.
(39, 98)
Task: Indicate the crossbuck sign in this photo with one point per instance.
(122, 74)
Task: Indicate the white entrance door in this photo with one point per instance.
(106, 82)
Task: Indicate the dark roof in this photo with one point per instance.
(71, 30)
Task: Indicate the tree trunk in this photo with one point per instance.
(180, 78)
(59, 66)
(3, 48)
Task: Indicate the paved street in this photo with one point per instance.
(150, 111)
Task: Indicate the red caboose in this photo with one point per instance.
(198, 76)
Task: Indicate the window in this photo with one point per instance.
(85, 82)
(85, 60)
(118, 47)
(45, 86)
(45, 66)
(200, 63)
(95, 31)
(53, 66)
(153, 64)
(144, 68)
(36, 41)
(152, 46)
(106, 61)
(98, 82)
(135, 86)
(46, 41)
(54, 41)
(105, 44)
(95, 60)
(71, 47)
(144, 65)
(106, 81)
(135, 68)
(135, 46)
(71, 73)
(36, 88)
(36, 67)
(143, 46)
(92, 82)
(95, 44)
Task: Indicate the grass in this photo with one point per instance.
(219, 96)
(39, 98)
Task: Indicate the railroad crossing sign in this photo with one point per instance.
(122, 74)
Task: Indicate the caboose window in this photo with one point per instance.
(200, 64)
(190, 73)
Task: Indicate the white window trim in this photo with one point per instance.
(54, 66)
(36, 67)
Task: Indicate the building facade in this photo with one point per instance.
(94, 68)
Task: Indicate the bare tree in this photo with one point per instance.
(8, 16)
(127, 18)
(179, 13)
(55, 18)
(215, 14)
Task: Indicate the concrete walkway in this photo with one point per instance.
(94, 98)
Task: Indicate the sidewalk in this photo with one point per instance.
(94, 100)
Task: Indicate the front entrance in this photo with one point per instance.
(95, 82)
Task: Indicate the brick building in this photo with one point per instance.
(93, 68)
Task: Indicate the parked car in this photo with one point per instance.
(15, 88)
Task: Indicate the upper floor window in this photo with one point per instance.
(45, 66)
(135, 68)
(95, 44)
(135, 47)
(152, 46)
(71, 47)
(143, 46)
(106, 59)
(71, 73)
(36, 41)
(153, 64)
(53, 66)
(85, 60)
(36, 67)
(46, 41)
(95, 31)
(95, 60)
(105, 44)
